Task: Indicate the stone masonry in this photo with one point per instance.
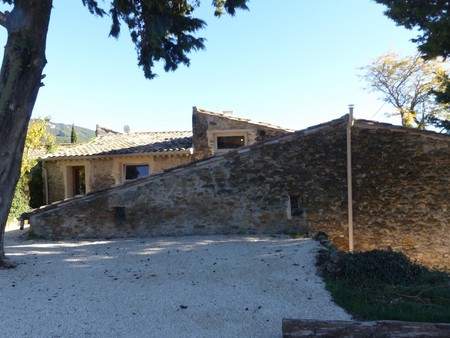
(206, 125)
(291, 183)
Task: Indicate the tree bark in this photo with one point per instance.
(20, 80)
(297, 328)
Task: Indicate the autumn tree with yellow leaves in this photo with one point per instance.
(38, 141)
(407, 84)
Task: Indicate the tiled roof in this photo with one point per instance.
(241, 119)
(35, 153)
(127, 144)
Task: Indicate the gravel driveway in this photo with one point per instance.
(215, 286)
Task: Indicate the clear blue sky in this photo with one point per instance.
(292, 63)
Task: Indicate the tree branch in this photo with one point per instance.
(3, 19)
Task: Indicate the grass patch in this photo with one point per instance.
(385, 285)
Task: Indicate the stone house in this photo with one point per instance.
(110, 160)
(217, 133)
(291, 183)
(113, 158)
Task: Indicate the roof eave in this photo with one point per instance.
(100, 156)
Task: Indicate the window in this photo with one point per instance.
(230, 142)
(136, 171)
(296, 209)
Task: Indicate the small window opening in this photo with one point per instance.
(119, 213)
(230, 142)
(296, 209)
(136, 171)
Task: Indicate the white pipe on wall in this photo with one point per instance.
(45, 174)
(349, 178)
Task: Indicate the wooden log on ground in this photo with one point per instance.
(296, 328)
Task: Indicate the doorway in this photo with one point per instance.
(78, 181)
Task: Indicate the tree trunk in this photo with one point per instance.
(20, 79)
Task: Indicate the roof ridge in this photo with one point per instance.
(243, 119)
(377, 124)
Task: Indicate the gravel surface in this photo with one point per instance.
(215, 286)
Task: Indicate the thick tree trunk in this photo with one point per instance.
(20, 79)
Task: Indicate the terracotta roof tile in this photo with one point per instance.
(127, 144)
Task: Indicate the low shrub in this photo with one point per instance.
(385, 285)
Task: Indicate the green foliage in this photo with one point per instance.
(37, 138)
(36, 186)
(385, 285)
(222, 6)
(161, 30)
(442, 125)
(20, 202)
(431, 17)
(73, 135)
(384, 267)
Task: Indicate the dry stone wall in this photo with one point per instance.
(282, 185)
(291, 183)
(206, 124)
(402, 192)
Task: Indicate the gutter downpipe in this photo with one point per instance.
(45, 174)
(349, 178)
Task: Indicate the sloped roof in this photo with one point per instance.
(127, 144)
(35, 153)
(240, 119)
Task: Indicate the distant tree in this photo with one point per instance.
(161, 30)
(432, 19)
(407, 85)
(73, 135)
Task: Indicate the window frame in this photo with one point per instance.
(125, 165)
(231, 133)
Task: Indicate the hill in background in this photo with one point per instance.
(62, 132)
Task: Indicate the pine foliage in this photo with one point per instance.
(431, 17)
(161, 30)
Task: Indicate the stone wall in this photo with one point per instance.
(54, 176)
(401, 193)
(291, 183)
(207, 125)
(274, 186)
(101, 174)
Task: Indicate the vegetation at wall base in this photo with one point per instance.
(21, 200)
(385, 285)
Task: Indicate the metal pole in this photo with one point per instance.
(349, 178)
